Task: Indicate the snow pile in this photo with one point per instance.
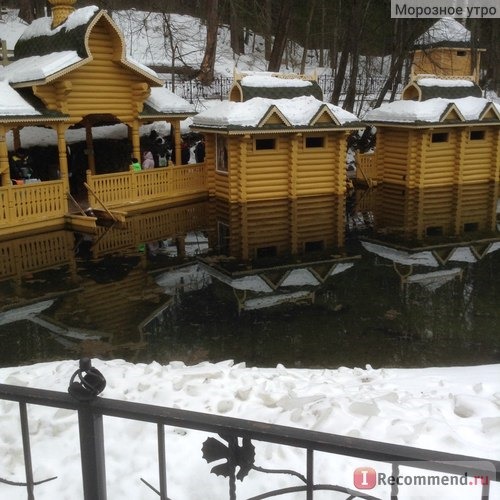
(448, 409)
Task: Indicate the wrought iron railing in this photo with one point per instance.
(237, 450)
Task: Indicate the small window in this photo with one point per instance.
(221, 162)
(476, 135)
(461, 53)
(263, 252)
(434, 231)
(261, 144)
(440, 137)
(470, 227)
(315, 142)
(314, 246)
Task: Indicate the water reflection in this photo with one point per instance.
(265, 283)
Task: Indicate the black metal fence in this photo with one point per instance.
(235, 447)
(367, 87)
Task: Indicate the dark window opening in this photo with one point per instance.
(434, 231)
(315, 142)
(476, 135)
(440, 137)
(314, 246)
(461, 53)
(470, 227)
(263, 252)
(265, 144)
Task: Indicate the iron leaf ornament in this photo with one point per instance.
(236, 456)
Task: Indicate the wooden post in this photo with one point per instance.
(133, 132)
(4, 159)
(17, 137)
(177, 140)
(90, 149)
(63, 157)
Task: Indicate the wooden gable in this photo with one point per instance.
(274, 117)
(324, 116)
(451, 114)
(490, 112)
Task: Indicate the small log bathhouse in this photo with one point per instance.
(275, 139)
(438, 151)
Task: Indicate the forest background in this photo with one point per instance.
(351, 38)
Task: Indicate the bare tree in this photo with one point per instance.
(31, 9)
(306, 38)
(236, 28)
(281, 35)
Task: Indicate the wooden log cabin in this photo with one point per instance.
(438, 151)
(275, 139)
(71, 71)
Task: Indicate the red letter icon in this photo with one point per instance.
(365, 478)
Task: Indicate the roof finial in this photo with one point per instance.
(61, 9)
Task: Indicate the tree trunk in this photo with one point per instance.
(206, 75)
(29, 10)
(306, 39)
(236, 30)
(280, 38)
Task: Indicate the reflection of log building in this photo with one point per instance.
(438, 148)
(282, 251)
(281, 227)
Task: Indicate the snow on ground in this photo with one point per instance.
(449, 409)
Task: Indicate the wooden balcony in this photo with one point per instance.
(44, 205)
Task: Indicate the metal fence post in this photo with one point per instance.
(92, 453)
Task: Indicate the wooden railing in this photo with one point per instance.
(366, 169)
(31, 203)
(34, 253)
(122, 189)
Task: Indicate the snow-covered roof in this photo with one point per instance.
(430, 87)
(42, 52)
(163, 100)
(12, 104)
(445, 32)
(431, 110)
(42, 26)
(36, 68)
(299, 111)
(444, 82)
(266, 79)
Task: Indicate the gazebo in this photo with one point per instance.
(71, 71)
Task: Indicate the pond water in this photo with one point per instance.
(264, 285)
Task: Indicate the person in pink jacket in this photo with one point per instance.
(147, 160)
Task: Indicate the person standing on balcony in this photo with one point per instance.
(20, 166)
(135, 165)
(147, 160)
(199, 151)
